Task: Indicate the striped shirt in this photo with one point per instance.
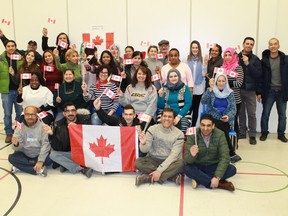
(236, 83)
(106, 102)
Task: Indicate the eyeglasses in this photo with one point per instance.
(70, 111)
(30, 115)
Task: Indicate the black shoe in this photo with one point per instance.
(62, 169)
(242, 136)
(252, 141)
(235, 158)
(87, 172)
(282, 138)
(263, 137)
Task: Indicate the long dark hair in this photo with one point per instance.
(112, 65)
(146, 71)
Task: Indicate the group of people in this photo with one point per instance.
(164, 88)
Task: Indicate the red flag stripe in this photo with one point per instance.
(77, 152)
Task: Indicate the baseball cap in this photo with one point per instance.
(163, 42)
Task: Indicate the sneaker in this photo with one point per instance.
(43, 172)
(252, 141)
(8, 138)
(176, 179)
(143, 178)
(223, 184)
(263, 137)
(62, 169)
(14, 169)
(282, 138)
(87, 172)
(194, 184)
(235, 158)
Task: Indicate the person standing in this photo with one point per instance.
(251, 65)
(9, 82)
(164, 49)
(274, 88)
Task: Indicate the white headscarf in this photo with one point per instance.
(226, 91)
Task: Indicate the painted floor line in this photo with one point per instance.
(265, 174)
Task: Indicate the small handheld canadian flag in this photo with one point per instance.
(232, 74)
(62, 44)
(191, 131)
(51, 20)
(89, 45)
(144, 117)
(26, 76)
(56, 86)
(116, 78)
(15, 57)
(145, 43)
(128, 61)
(155, 77)
(6, 22)
(219, 70)
(211, 45)
(48, 68)
(42, 115)
(18, 124)
(160, 56)
(109, 93)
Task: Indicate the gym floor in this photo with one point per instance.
(261, 189)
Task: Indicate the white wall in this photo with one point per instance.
(224, 21)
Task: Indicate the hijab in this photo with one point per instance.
(176, 86)
(226, 90)
(234, 61)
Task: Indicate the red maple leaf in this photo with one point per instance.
(98, 40)
(101, 150)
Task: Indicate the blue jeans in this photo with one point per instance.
(281, 104)
(8, 99)
(64, 159)
(25, 163)
(204, 173)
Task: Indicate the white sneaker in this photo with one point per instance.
(43, 172)
(14, 169)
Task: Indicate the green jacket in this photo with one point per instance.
(4, 73)
(216, 153)
(69, 65)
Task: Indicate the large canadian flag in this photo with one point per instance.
(104, 148)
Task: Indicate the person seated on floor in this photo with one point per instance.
(163, 143)
(31, 145)
(220, 103)
(207, 157)
(60, 141)
(128, 118)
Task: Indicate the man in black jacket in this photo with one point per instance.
(274, 88)
(60, 142)
(250, 88)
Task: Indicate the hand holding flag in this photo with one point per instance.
(62, 44)
(192, 131)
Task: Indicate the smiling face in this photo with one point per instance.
(167, 119)
(48, 58)
(34, 82)
(68, 76)
(141, 76)
(73, 57)
(103, 75)
(10, 48)
(128, 53)
(106, 58)
(129, 115)
(30, 57)
(173, 77)
(114, 51)
(152, 53)
(273, 45)
(164, 48)
(221, 81)
(63, 38)
(70, 113)
(228, 57)
(194, 49)
(215, 52)
(137, 61)
(30, 115)
(248, 46)
(174, 57)
(206, 127)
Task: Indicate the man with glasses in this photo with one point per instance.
(164, 49)
(31, 145)
(60, 142)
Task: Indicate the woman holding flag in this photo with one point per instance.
(176, 95)
(220, 103)
(39, 96)
(103, 89)
(50, 72)
(235, 77)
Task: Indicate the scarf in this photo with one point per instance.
(197, 74)
(176, 86)
(100, 83)
(233, 63)
(222, 93)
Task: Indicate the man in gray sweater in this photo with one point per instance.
(31, 145)
(163, 143)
